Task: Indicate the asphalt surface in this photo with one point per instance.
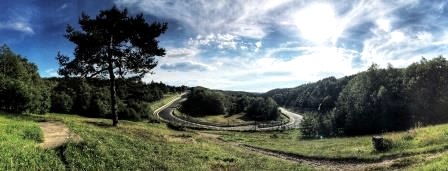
(165, 113)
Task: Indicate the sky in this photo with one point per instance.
(250, 45)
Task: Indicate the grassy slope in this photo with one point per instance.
(130, 146)
(235, 119)
(420, 140)
(439, 163)
(19, 139)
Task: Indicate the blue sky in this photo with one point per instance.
(251, 45)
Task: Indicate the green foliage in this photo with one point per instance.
(315, 125)
(61, 102)
(374, 101)
(426, 83)
(21, 88)
(110, 45)
(202, 102)
(321, 95)
(33, 133)
(91, 97)
(263, 109)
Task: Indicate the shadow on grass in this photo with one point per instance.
(100, 124)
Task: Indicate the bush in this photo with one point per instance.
(21, 88)
(61, 102)
(202, 102)
(381, 144)
(33, 133)
(263, 109)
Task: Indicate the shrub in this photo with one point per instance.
(61, 102)
(381, 144)
(33, 133)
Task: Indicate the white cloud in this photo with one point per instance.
(264, 73)
(381, 39)
(18, 26)
(185, 66)
(397, 36)
(221, 41)
(181, 52)
(383, 24)
(242, 18)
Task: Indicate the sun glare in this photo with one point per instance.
(317, 22)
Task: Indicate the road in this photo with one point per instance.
(165, 113)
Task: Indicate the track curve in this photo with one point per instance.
(164, 114)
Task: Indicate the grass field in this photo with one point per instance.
(19, 141)
(237, 119)
(439, 163)
(415, 141)
(130, 146)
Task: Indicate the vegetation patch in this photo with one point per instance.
(425, 140)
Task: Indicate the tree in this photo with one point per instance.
(21, 88)
(203, 102)
(263, 109)
(113, 44)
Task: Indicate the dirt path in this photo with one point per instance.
(388, 164)
(56, 134)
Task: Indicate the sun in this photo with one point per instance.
(317, 22)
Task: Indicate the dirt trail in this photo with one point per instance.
(56, 134)
(324, 164)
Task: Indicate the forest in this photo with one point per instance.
(24, 91)
(374, 101)
(202, 101)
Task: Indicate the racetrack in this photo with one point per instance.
(165, 113)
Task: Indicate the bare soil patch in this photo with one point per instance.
(57, 134)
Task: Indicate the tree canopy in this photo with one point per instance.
(21, 88)
(203, 102)
(373, 101)
(110, 45)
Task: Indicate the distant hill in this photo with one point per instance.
(373, 101)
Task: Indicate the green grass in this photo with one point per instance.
(224, 119)
(19, 146)
(415, 141)
(159, 103)
(130, 146)
(439, 163)
(236, 119)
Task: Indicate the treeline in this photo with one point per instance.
(22, 90)
(91, 97)
(374, 101)
(203, 102)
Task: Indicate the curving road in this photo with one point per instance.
(165, 114)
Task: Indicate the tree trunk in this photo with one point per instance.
(113, 100)
(113, 94)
